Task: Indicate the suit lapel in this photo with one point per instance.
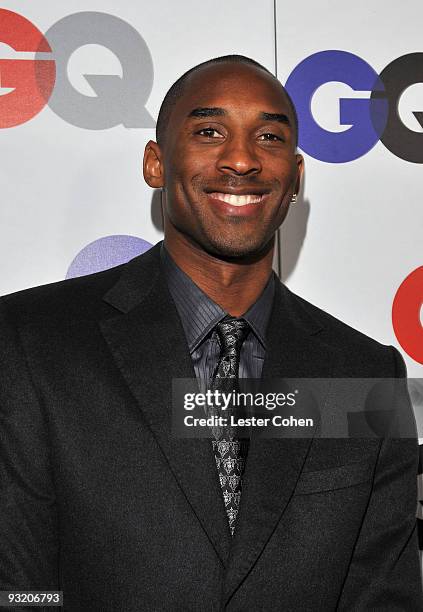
(274, 465)
(148, 344)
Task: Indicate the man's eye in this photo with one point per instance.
(270, 137)
(209, 133)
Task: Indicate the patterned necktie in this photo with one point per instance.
(230, 453)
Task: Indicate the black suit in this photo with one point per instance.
(99, 499)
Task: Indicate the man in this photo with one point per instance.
(99, 498)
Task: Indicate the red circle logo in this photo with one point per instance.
(406, 315)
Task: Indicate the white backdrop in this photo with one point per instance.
(63, 186)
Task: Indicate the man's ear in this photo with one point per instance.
(300, 170)
(153, 168)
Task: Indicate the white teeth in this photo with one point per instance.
(237, 200)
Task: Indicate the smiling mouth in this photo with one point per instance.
(237, 200)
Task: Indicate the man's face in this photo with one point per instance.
(229, 161)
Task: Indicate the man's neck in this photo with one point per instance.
(234, 285)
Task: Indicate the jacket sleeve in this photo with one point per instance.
(28, 520)
(384, 573)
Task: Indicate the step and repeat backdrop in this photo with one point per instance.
(80, 88)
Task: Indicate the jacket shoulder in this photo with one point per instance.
(361, 352)
(76, 297)
(84, 297)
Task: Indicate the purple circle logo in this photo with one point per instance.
(105, 253)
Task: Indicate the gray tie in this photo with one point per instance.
(230, 453)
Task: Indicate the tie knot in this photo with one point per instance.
(232, 332)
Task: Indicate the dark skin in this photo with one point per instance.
(230, 133)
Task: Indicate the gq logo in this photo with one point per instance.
(44, 79)
(369, 119)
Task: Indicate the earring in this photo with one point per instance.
(294, 198)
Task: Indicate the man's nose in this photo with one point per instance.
(239, 157)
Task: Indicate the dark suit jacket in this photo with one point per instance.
(98, 499)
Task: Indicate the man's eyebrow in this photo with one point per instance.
(280, 117)
(207, 112)
(216, 111)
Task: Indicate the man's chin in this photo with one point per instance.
(247, 251)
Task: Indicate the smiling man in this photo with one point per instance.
(226, 158)
(98, 498)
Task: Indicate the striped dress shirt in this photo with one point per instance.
(199, 316)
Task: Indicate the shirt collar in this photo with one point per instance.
(199, 314)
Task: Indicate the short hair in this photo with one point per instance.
(178, 87)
